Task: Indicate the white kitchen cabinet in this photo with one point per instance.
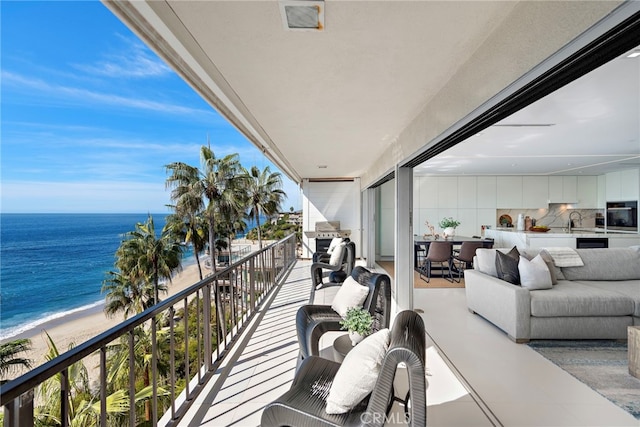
(563, 189)
(623, 185)
(613, 187)
(602, 192)
(467, 192)
(588, 192)
(447, 191)
(428, 192)
(535, 192)
(509, 192)
(486, 188)
(486, 217)
(629, 184)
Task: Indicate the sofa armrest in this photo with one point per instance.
(505, 305)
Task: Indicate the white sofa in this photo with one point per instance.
(595, 301)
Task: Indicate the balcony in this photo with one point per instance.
(476, 375)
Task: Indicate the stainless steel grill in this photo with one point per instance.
(327, 230)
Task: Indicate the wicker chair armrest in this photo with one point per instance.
(313, 321)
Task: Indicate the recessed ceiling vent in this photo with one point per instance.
(302, 15)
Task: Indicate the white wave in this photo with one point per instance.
(48, 317)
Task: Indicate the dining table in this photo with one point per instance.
(455, 240)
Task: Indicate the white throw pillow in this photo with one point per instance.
(336, 254)
(334, 242)
(358, 373)
(351, 294)
(487, 261)
(534, 274)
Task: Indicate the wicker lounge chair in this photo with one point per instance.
(312, 321)
(304, 404)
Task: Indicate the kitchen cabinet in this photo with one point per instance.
(602, 192)
(535, 192)
(629, 184)
(509, 192)
(588, 192)
(563, 189)
(467, 192)
(487, 193)
(447, 191)
(623, 185)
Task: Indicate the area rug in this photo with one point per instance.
(419, 283)
(602, 365)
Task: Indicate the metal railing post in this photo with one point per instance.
(19, 413)
(207, 326)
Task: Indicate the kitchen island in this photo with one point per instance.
(509, 237)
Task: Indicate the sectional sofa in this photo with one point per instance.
(595, 301)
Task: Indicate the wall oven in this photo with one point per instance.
(622, 216)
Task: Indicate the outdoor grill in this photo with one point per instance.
(324, 232)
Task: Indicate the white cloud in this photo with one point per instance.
(135, 62)
(91, 98)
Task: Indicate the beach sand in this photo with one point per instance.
(82, 326)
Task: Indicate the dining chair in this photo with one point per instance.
(464, 258)
(420, 251)
(439, 252)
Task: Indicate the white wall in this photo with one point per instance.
(331, 201)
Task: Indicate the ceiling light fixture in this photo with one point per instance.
(633, 55)
(302, 15)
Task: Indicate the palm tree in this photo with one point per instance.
(206, 188)
(147, 257)
(118, 362)
(264, 191)
(216, 183)
(83, 402)
(189, 226)
(10, 359)
(127, 294)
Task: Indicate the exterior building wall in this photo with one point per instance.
(331, 201)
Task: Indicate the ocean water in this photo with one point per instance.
(52, 265)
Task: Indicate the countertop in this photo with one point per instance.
(578, 232)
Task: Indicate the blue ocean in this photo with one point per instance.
(53, 265)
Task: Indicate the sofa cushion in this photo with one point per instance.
(534, 274)
(569, 299)
(507, 266)
(630, 288)
(605, 264)
(556, 272)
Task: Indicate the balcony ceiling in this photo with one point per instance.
(330, 103)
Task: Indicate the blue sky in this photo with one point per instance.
(90, 115)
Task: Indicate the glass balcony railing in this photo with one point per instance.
(153, 365)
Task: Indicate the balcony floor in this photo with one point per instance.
(476, 375)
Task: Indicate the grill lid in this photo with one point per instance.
(327, 229)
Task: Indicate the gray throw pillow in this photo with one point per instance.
(507, 266)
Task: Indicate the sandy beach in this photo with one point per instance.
(82, 326)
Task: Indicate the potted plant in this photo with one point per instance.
(448, 224)
(358, 322)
